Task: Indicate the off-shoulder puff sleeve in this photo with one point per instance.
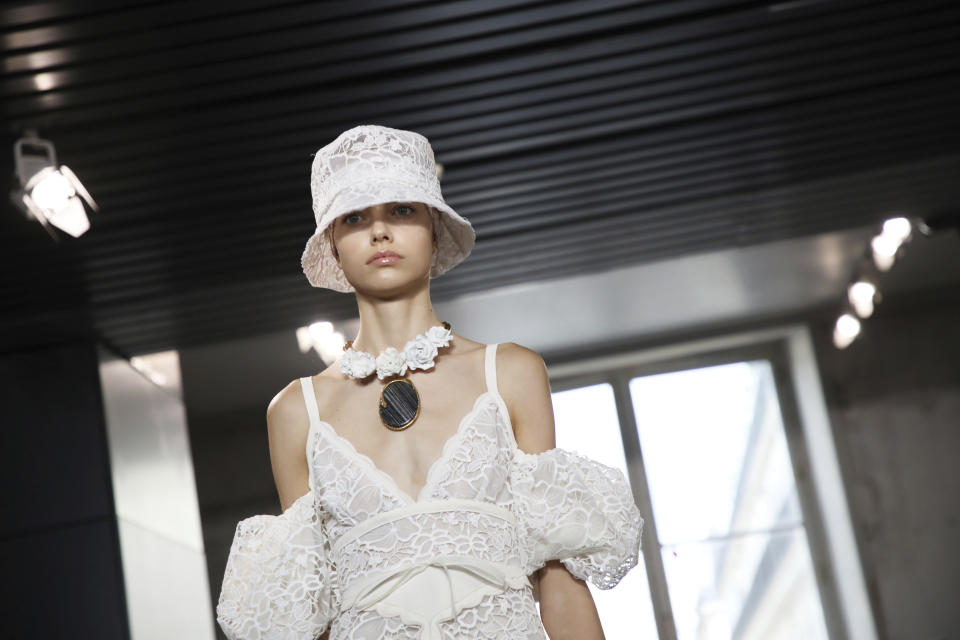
(574, 509)
(277, 584)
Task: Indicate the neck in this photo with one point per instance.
(386, 322)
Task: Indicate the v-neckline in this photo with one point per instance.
(386, 478)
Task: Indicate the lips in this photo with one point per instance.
(384, 254)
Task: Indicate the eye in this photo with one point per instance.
(347, 218)
(410, 210)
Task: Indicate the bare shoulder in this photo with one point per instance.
(525, 386)
(288, 426)
(286, 411)
(516, 363)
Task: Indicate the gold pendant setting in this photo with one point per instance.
(399, 405)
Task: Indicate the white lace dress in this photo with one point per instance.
(358, 555)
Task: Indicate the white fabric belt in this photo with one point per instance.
(428, 591)
(415, 591)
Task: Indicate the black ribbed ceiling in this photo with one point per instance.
(576, 137)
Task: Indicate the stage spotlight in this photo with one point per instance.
(896, 232)
(884, 251)
(49, 193)
(323, 338)
(846, 330)
(861, 295)
(897, 228)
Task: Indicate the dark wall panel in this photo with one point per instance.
(59, 551)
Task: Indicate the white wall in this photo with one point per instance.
(155, 496)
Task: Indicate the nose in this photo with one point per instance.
(379, 230)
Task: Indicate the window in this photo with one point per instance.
(729, 453)
(586, 422)
(728, 517)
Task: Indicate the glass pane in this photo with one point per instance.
(586, 422)
(725, 503)
(752, 587)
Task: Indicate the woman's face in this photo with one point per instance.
(405, 228)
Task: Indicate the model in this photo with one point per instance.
(423, 494)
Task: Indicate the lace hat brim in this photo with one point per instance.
(455, 235)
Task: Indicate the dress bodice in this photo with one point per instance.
(357, 552)
(473, 463)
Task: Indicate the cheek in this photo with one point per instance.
(351, 249)
(424, 241)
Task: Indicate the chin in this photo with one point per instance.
(387, 284)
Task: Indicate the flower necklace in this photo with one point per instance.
(399, 404)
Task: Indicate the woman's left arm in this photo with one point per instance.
(566, 605)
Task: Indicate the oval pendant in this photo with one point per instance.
(399, 404)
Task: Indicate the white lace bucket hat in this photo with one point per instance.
(369, 165)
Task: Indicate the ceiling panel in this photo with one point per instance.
(576, 137)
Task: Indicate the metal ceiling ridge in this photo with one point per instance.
(741, 22)
(427, 34)
(111, 17)
(115, 245)
(715, 213)
(616, 46)
(282, 141)
(610, 85)
(465, 278)
(134, 239)
(273, 81)
(694, 153)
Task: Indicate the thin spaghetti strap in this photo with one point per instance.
(310, 399)
(491, 368)
(491, 374)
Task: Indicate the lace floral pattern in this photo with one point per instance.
(576, 510)
(346, 484)
(278, 578)
(427, 535)
(287, 575)
(479, 465)
(495, 617)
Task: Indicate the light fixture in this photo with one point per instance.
(863, 292)
(846, 330)
(861, 295)
(49, 193)
(897, 228)
(896, 232)
(884, 251)
(322, 337)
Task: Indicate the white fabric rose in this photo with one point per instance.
(357, 364)
(390, 362)
(439, 335)
(420, 352)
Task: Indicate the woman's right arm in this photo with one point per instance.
(287, 428)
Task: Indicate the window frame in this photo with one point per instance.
(816, 469)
